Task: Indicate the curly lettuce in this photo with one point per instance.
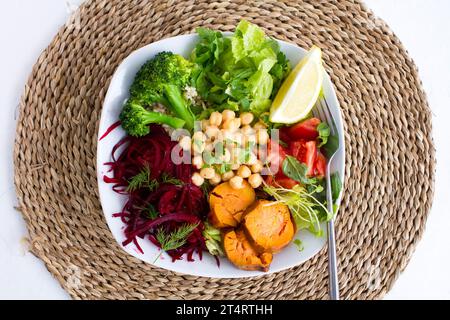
(242, 72)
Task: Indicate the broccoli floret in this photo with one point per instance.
(135, 119)
(161, 80)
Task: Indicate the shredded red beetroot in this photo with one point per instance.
(176, 204)
(110, 129)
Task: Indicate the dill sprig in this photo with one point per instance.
(149, 211)
(140, 180)
(206, 188)
(153, 185)
(166, 178)
(175, 239)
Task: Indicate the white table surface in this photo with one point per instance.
(27, 27)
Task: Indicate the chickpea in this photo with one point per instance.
(244, 172)
(227, 175)
(197, 162)
(227, 115)
(212, 132)
(251, 138)
(215, 119)
(198, 146)
(246, 118)
(197, 179)
(215, 180)
(235, 166)
(208, 153)
(252, 159)
(227, 125)
(262, 136)
(235, 156)
(225, 135)
(207, 173)
(198, 135)
(237, 123)
(255, 180)
(232, 124)
(257, 167)
(209, 147)
(238, 138)
(230, 147)
(218, 147)
(226, 157)
(236, 182)
(205, 124)
(185, 143)
(259, 125)
(247, 130)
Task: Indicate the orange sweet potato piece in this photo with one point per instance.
(241, 253)
(220, 217)
(269, 226)
(228, 205)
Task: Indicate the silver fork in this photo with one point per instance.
(322, 111)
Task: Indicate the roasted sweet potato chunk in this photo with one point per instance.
(220, 217)
(228, 205)
(241, 253)
(268, 226)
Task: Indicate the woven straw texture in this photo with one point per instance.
(390, 153)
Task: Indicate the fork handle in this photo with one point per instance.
(332, 261)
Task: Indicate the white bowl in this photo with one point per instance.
(112, 202)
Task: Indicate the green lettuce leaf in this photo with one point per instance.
(324, 133)
(260, 85)
(250, 36)
(242, 72)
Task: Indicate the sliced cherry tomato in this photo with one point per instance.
(270, 180)
(305, 130)
(320, 166)
(281, 181)
(275, 155)
(310, 156)
(287, 183)
(284, 134)
(298, 149)
(305, 152)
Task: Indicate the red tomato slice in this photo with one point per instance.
(287, 183)
(321, 165)
(310, 156)
(269, 180)
(281, 181)
(305, 152)
(298, 149)
(284, 135)
(275, 155)
(305, 130)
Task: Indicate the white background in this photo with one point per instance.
(27, 27)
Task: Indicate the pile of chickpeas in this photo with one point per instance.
(232, 136)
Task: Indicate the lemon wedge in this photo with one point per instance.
(300, 91)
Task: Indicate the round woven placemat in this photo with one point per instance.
(390, 153)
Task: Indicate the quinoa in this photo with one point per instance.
(191, 94)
